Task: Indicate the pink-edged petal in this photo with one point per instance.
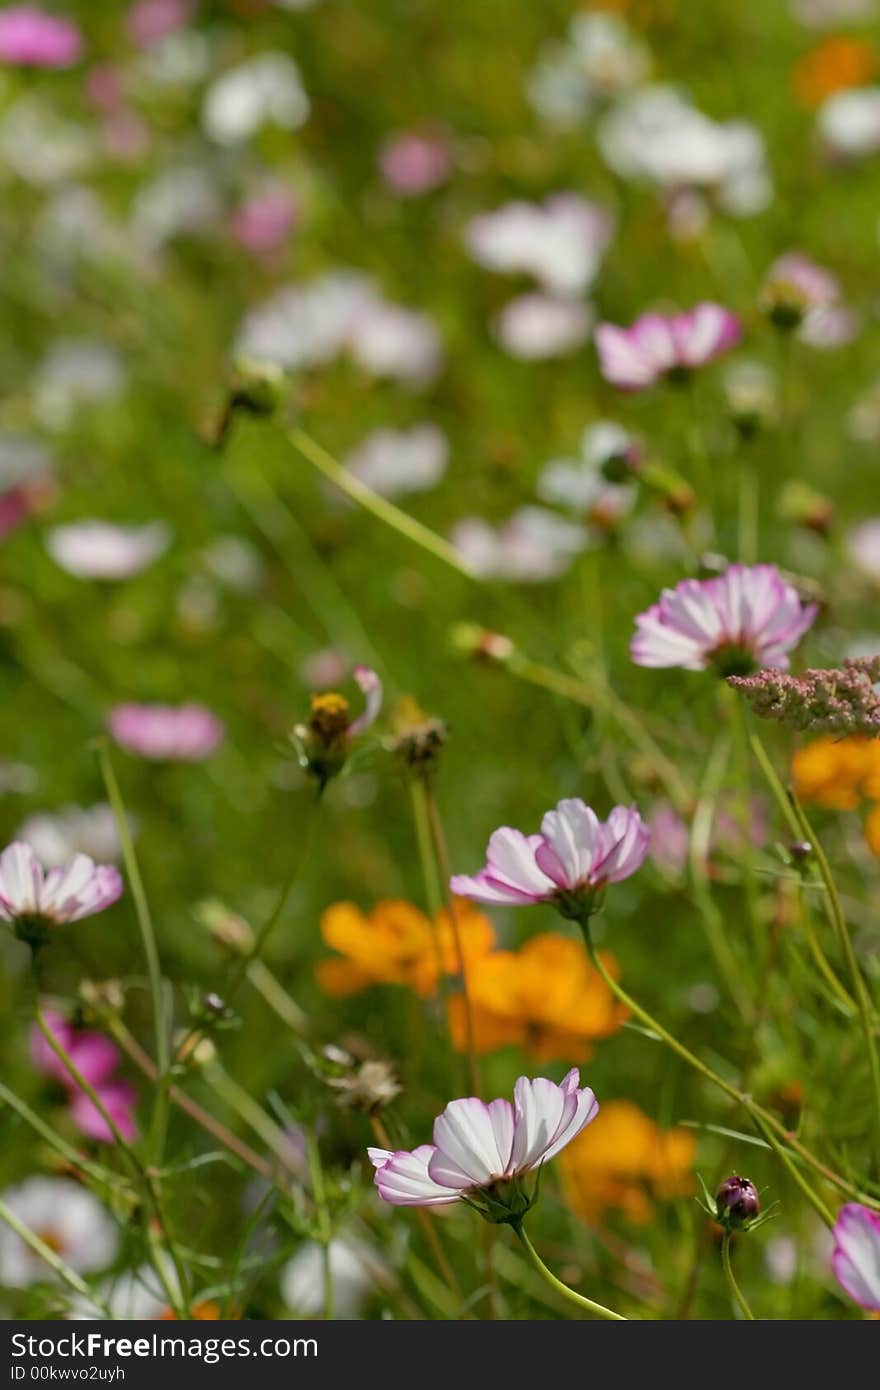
(473, 1143)
(404, 1181)
(856, 1258)
(572, 833)
(21, 881)
(371, 685)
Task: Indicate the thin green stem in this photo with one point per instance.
(857, 981)
(807, 1189)
(238, 1099)
(378, 506)
(325, 1230)
(148, 941)
(96, 1171)
(431, 878)
(578, 1299)
(738, 1295)
(731, 1091)
(54, 1262)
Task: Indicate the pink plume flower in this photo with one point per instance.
(480, 1150)
(569, 863)
(29, 38)
(743, 619)
(35, 901)
(173, 733)
(659, 345)
(856, 1258)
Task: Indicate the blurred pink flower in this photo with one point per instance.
(573, 858)
(15, 506)
(477, 1146)
(265, 219)
(412, 164)
(176, 733)
(659, 345)
(96, 1059)
(745, 618)
(32, 899)
(856, 1258)
(152, 20)
(31, 38)
(536, 326)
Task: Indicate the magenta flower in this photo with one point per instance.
(480, 1151)
(572, 860)
(743, 619)
(172, 733)
(35, 902)
(856, 1258)
(96, 1059)
(658, 345)
(29, 38)
(265, 220)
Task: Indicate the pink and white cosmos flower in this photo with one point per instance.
(172, 733)
(746, 618)
(78, 889)
(29, 38)
(573, 858)
(659, 345)
(479, 1147)
(856, 1258)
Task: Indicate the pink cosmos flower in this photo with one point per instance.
(856, 1258)
(31, 39)
(412, 164)
(176, 733)
(659, 345)
(152, 20)
(97, 1059)
(743, 619)
(36, 901)
(480, 1150)
(265, 219)
(536, 326)
(568, 864)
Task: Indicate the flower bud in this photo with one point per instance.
(737, 1203)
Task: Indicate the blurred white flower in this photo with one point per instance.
(537, 326)
(394, 462)
(182, 59)
(560, 241)
(235, 562)
(657, 136)
(534, 545)
(309, 325)
(582, 484)
(67, 1218)
(56, 836)
(352, 1271)
(781, 1259)
(817, 14)
(863, 543)
(41, 147)
(102, 550)
(264, 90)
(600, 58)
(179, 201)
(849, 122)
(23, 459)
(75, 372)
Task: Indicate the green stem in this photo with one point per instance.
(378, 506)
(244, 1105)
(148, 940)
(578, 1299)
(734, 1286)
(431, 878)
(55, 1263)
(319, 1193)
(731, 1091)
(807, 1190)
(96, 1171)
(859, 988)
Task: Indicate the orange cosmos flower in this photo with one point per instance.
(839, 62)
(397, 944)
(545, 998)
(624, 1162)
(838, 772)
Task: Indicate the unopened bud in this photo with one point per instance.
(737, 1203)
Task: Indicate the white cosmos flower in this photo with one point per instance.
(537, 326)
(181, 201)
(67, 1218)
(264, 90)
(656, 136)
(102, 550)
(41, 147)
(78, 889)
(534, 545)
(57, 836)
(601, 57)
(849, 122)
(394, 462)
(580, 483)
(352, 1271)
(560, 241)
(76, 372)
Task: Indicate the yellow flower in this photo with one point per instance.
(397, 944)
(622, 1161)
(838, 772)
(546, 998)
(837, 63)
